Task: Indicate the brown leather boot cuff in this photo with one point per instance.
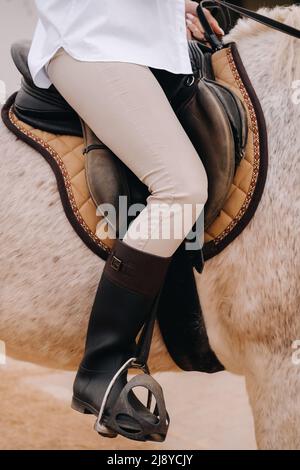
(136, 270)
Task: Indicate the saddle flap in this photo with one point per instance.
(236, 114)
(180, 318)
(206, 123)
(108, 178)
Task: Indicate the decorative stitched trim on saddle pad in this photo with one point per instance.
(250, 177)
(64, 154)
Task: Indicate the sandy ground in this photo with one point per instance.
(207, 412)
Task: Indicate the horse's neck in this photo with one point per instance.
(258, 59)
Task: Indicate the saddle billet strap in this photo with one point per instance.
(213, 38)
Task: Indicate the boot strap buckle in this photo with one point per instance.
(116, 263)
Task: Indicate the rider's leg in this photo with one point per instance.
(126, 108)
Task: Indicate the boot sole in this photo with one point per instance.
(86, 409)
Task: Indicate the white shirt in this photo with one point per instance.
(146, 32)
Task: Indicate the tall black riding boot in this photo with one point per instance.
(128, 289)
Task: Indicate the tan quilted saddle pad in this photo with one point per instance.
(64, 154)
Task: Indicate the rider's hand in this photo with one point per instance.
(194, 27)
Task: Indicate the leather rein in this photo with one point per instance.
(224, 6)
